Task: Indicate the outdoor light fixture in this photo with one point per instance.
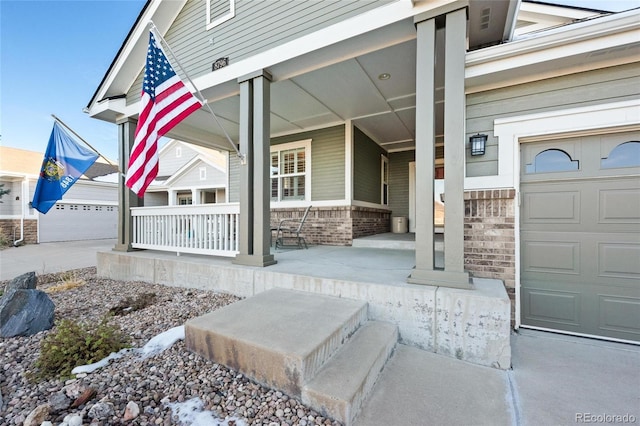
(477, 144)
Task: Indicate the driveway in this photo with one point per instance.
(51, 257)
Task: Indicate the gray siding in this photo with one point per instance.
(169, 162)
(256, 27)
(9, 205)
(156, 199)
(572, 91)
(92, 192)
(366, 168)
(327, 161)
(234, 179)
(399, 182)
(191, 178)
(327, 164)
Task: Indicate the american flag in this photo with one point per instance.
(166, 101)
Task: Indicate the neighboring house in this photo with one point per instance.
(188, 174)
(87, 211)
(357, 108)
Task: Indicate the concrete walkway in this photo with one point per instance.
(48, 258)
(555, 380)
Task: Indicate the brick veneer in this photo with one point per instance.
(489, 236)
(337, 225)
(7, 227)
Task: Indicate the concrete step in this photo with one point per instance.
(341, 386)
(280, 338)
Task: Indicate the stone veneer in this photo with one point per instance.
(336, 225)
(489, 237)
(7, 227)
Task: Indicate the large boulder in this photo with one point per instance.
(25, 312)
(22, 282)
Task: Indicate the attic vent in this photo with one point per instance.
(485, 17)
(219, 11)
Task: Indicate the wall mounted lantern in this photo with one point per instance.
(477, 143)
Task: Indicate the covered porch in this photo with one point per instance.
(469, 325)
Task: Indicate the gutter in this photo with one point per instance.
(22, 214)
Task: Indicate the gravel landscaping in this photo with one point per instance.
(170, 388)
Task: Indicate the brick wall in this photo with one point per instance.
(489, 237)
(7, 227)
(336, 225)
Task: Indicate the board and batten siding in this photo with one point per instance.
(367, 178)
(327, 164)
(399, 181)
(256, 27)
(600, 86)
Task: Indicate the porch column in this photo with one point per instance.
(195, 196)
(173, 197)
(126, 198)
(255, 200)
(450, 23)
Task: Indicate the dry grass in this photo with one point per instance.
(69, 281)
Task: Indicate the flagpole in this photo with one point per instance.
(202, 99)
(84, 141)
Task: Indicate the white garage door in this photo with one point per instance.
(580, 235)
(73, 222)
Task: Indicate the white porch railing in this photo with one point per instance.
(201, 229)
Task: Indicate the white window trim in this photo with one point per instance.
(222, 18)
(384, 160)
(306, 144)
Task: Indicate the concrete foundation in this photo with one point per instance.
(472, 325)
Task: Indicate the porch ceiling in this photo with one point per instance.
(343, 82)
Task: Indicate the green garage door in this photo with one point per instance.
(580, 235)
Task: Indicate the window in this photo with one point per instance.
(384, 175)
(552, 160)
(626, 154)
(290, 171)
(219, 11)
(185, 199)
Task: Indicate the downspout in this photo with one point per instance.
(22, 198)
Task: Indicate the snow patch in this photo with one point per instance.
(156, 345)
(192, 413)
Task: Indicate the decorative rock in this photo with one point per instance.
(25, 313)
(73, 389)
(72, 420)
(37, 416)
(26, 281)
(101, 411)
(59, 401)
(47, 423)
(131, 411)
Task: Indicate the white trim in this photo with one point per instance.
(591, 336)
(412, 196)
(348, 161)
(223, 18)
(306, 144)
(302, 203)
(512, 131)
(359, 203)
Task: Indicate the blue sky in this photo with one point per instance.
(53, 55)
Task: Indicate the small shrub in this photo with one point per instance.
(72, 344)
(4, 241)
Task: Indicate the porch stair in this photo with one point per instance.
(321, 350)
